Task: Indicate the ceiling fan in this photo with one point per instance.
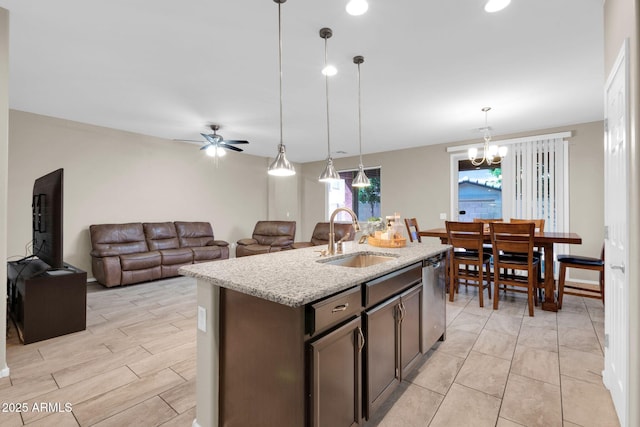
(216, 144)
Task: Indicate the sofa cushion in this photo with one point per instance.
(160, 235)
(277, 233)
(180, 256)
(117, 239)
(207, 253)
(140, 261)
(194, 234)
(321, 233)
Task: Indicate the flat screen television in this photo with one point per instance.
(46, 206)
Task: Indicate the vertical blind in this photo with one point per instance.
(535, 182)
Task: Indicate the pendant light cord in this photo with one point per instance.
(326, 84)
(359, 116)
(280, 63)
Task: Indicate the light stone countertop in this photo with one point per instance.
(295, 277)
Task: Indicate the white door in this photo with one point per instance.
(616, 159)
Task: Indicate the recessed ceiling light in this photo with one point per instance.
(357, 7)
(496, 5)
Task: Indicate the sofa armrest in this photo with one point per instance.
(246, 242)
(104, 253)
(282, 241)
(217, 243)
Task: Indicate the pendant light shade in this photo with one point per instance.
(329, 174)
(280, 166)
(361, 179)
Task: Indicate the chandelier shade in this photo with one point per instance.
(491, 153)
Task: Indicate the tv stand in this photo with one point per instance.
(45, 302)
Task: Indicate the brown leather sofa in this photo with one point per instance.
(320, 234)
(123, 254)
(268, 236)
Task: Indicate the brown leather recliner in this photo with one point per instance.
(268, 236)
(320, 234)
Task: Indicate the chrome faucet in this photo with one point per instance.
(332, 234)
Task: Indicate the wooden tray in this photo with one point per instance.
(385, 243)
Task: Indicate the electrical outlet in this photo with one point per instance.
(443, 216)
(202, 319)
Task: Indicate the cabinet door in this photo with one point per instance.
(335, 395)
(410, 327)
(381, 353)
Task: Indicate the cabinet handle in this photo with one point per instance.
(341, 307)
(361, 340)
(401, 311)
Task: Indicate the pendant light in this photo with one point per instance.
(491, 153)
(280, 166)
(361, 179)
(329, 174)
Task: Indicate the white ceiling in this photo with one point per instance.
(168, 68)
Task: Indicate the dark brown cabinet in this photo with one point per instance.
(393, 333)
(335, 369)
(330, 363)
(46, 303)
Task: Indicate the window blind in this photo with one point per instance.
(535, 182)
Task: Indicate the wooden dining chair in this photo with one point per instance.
(467, 241)
(513, 252)
(537, 251)
(585, 263)
(412, 229)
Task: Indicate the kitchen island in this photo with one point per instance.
(295, 339)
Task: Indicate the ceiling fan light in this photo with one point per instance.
(329, 174)
(496, 5)
(357, 7)
(329, 70)
(280, 165)
(361, 179)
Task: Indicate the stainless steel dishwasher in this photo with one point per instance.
(433, 300)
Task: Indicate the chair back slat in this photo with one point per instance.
(465, 235)
(412, 229)
(539, 223)
(513, 237)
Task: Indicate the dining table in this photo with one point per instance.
(543, 239)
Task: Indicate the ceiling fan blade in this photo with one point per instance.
(187, 140)
(209, 138)
(230, 147)
(233, 141)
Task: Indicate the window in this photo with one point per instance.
(479, 191)
(365, 202)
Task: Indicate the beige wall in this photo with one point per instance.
(4, 149)
(113, 176)
(622, 20)
(428, 168)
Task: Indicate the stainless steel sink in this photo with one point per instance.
(359, 260)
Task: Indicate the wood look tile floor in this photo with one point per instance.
(135, 366)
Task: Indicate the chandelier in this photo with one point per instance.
(491, 153)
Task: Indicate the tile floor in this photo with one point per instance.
(135, 366)
(503, 368)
